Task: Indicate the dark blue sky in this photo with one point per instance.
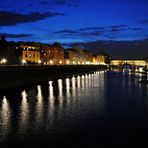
(70, 21)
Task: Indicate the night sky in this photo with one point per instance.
(119, 27)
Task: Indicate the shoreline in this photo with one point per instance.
(17, 76)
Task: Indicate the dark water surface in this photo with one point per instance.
(102, 108)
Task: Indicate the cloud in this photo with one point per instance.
(16, 35)
(92, 28)
(143, 21)
(107, 32)
(61, 2)
(135, 28)
(136, 49)
(31, 5)
(69, 3)
(77, 33)
(66, 31)
(12, 18)
(92, 31)
(43, 3)
(117, 28)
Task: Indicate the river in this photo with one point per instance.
(106, 107)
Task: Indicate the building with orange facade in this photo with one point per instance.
(52, 54)
(29, 53)
(100, 59)
(89, 57)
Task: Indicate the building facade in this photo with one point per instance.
(100, 59)
(76, 55)
(129, 62)
(29, 54)
(52, 54)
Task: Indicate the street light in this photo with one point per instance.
(51, 61)
(39, 61)
(3, 61)
(23, 61)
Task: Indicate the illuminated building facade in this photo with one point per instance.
(52, 54)
(57, 54)
(45, 51)
(129, 62)
(71, 56)
(100, 59)
(29, 53)
(78, 56)
(89, 57)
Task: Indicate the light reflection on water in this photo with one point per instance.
(5, 119)
(68, 87)
(24, 111)
(51, 99)
(64, 103)
(39, 106)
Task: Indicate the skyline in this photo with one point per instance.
(77, 21)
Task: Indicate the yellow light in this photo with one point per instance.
(60, 62)
(88, 62)
(68, 62)
(3, 61)
(39, 61)
(23, 61)
(51, 62)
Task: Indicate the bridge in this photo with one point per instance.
(130, 63)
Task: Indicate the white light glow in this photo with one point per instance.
(140, 69)
(39, 61)
(60, 62)
(23, 61)
(51, 61)
(3, 61)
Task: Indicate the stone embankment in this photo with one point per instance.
(13, 76)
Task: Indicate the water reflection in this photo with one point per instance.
(24, 111)
(5, 118)
(60, 87)
(83, 81)
(67, 87)
(46, 105)
(73, 86)
(57, 105)
(51, 96)
(39, 105)
(78, 81)
(51, 102)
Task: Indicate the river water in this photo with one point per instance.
(106, 107)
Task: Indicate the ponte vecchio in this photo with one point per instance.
(131, 62)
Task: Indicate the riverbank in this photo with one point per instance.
(13, 76)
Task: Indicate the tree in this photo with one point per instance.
(3, 39)
(3, 47)
(57, 44)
